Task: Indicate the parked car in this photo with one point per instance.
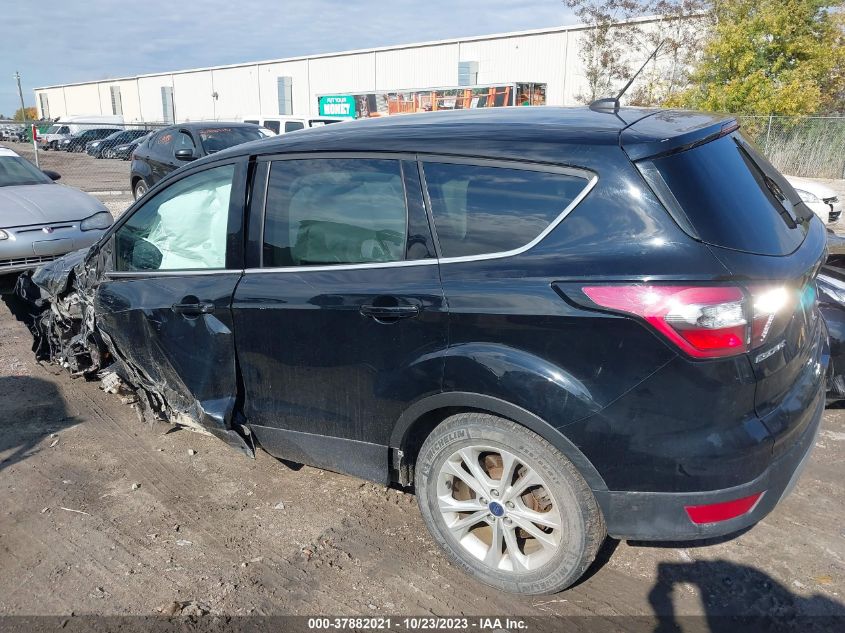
(16, 133)
(54, 135)
(283, 124)
(72, 125)
(170, 148)
(41, 220)
(820, 198)
(104, 148)
(552, 324)
(124, 150)
(77, 142)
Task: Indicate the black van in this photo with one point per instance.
(553, 324)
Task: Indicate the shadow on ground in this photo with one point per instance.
(30, 410)
(739, 598)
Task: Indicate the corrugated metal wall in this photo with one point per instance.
(252, 89)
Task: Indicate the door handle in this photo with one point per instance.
(193, 309)
(389, 314)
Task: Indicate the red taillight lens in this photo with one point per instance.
(704, 321)
(715, 512)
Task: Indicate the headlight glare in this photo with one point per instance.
(101, 221)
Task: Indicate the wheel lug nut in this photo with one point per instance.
(510, 505)
(483, 501)
(506, 521)
(495, 493)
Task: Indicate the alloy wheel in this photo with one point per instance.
(499, 509)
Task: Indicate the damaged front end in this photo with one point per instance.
(59, 304)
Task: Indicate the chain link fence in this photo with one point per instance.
(102, 170)
(812, 147)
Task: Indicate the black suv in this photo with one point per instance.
(552, 324)
(171, 147)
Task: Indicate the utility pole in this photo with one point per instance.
(20, 94)
(23, 114)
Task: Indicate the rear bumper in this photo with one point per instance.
(661, 516)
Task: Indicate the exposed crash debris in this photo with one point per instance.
(60, 305)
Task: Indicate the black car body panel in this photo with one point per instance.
(348, 366)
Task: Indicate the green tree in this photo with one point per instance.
(782, 57)
(619, 40)
(31, 114)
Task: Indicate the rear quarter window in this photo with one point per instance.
(729, 196)
(486, 210)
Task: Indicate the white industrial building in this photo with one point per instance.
(547, 57)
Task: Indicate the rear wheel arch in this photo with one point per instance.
(422, 417)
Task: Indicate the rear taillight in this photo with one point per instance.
(703, 321)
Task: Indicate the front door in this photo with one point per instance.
(343, 324)
(165, 300)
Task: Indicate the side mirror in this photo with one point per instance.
(52, 175)
(185, 154)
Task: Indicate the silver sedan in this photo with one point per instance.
(41, 220)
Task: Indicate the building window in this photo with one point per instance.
(45, 106)
(116, 102)
(467, 73)
(167, 114)
(285, 86)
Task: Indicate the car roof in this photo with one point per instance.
(516, 132)
(200, 125)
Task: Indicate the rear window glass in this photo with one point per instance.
(730, 195)
(484, 210)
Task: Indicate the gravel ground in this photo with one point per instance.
(101, 514)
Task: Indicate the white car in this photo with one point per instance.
(820, 198)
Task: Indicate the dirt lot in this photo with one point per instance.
(100, 514)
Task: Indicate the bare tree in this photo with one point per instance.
(618, 40)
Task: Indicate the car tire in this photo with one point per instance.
(109, 153)
(140, 189)
(548, 534)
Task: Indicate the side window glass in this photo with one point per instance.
(272, 125)
(180, 228)
(292, 126)
(484, 210)
(334, 211)
(161, 143)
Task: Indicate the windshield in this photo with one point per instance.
(53, 129)
(215, 139)
(14, 170)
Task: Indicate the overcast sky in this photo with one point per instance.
(64, 41)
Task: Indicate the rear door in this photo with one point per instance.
(340, 318)
(172, 267)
